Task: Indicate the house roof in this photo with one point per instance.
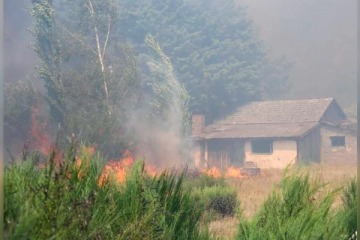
(283, 118)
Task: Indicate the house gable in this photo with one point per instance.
(333, 115)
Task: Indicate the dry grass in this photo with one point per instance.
(224, 228)
(253, 191)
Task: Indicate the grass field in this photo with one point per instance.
(253, 191)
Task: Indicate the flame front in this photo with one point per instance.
(117, 168)
(42, 139)
(231, 172)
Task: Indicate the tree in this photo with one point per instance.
(91, 79)
(214, 49)
(169, 99)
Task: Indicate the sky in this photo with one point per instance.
(318, 37)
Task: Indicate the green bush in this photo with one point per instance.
(214, 195)
(219, 200)
(299, 211)
(66, 202)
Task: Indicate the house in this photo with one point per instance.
(274, 134)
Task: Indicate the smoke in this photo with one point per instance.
(161, 125)
(318, 38)
(19, 58)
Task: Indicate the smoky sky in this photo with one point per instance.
(19, 58)
(317, 36)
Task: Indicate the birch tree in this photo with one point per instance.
(90, 75)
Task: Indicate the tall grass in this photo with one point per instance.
(61, 198)
(300, 210)
(67, 202)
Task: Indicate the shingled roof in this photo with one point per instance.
(283, 118)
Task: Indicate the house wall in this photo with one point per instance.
(220, 153)
(309, 147)
(284, 153)
(198, 154)
(331, 154)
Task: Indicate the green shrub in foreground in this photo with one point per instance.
(299, 211)
(348, 212)
(67, 203)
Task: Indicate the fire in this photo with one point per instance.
(117, 168)
(231, 172)
(212, 172)
(42, 139)
(152, 171)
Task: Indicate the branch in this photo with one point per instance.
(101, 60)
(107, 38)
(78, 39)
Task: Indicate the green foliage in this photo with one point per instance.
(214, 48)
(91, 78)
(169, 100)
(218, 201)
(214, 194)
(348, 214)
(300, 211)
(47, 47)
(66, 202)
(203, 181)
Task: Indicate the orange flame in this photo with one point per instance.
(82, 159)
(42, 140)
(233, 172)
(212, 172)
(117, 168)
(152, 171)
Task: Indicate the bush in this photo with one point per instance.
(299, 211)
(218, 200)
(214, 195)
(63, 200)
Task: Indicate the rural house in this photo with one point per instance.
(274, 134)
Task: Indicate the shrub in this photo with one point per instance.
(222, 201)
(348, 213)
(64, 200)
(214, 195)
(299, 211)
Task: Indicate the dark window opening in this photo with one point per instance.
(337, 141)
(262, 146)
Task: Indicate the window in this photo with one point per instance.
(262, 146)
(337, 141)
